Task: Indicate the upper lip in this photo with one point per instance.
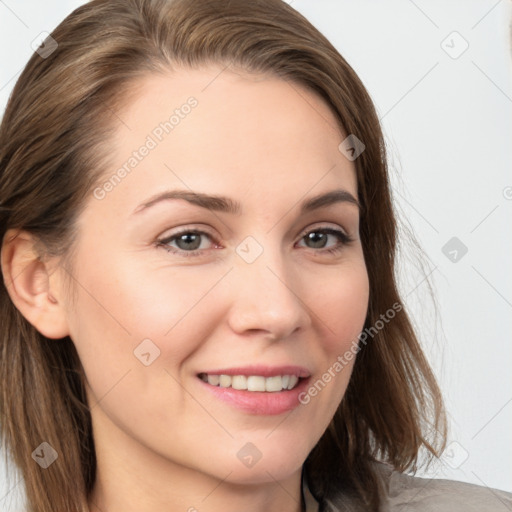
(263, 371)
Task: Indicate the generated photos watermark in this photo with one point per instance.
(344, 359)
(156, 136)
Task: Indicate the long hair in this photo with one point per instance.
(53, 150)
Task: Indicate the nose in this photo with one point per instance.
(266, 298)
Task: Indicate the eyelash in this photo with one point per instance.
(342, 237)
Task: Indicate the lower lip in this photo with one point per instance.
(259, 402)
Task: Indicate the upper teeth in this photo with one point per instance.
(253, 382)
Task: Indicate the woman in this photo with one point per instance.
(270, 364)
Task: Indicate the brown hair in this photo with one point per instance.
(53, 152)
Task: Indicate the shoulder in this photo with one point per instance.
(402, 492)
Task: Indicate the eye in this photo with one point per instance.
(318, 239)
(188, 242)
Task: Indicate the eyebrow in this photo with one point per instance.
(227, 205)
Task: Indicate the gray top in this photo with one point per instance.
(404, 493)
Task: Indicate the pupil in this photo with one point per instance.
(317, 239)
(187, 238)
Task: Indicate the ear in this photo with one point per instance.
(33, 284)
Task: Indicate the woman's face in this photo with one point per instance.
(169, 289)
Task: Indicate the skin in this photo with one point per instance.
(163, 443)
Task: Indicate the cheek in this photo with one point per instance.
(342, 307)
(121, 305)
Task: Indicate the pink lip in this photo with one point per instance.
(263, 371)
(259, 402)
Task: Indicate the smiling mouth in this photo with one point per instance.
(252, 382)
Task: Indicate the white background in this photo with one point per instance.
(448, 127)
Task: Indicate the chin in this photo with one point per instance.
(251, 466)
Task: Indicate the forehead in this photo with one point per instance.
(214, 128)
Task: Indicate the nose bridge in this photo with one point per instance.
(264, 297)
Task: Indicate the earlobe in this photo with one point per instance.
(28, 281)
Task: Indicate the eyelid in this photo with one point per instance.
(186, 229)
(322, 227)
